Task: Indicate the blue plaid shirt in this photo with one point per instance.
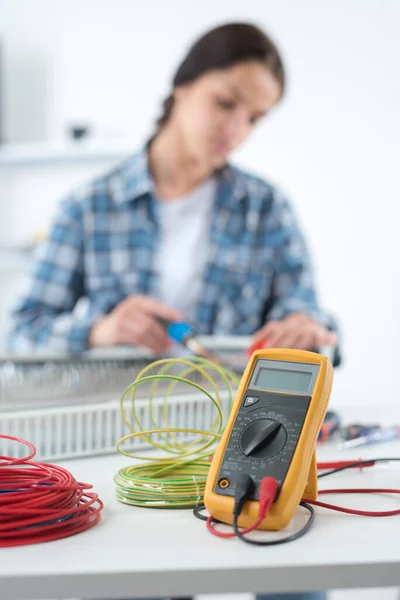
(102, 245)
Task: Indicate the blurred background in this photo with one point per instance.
(98, 70)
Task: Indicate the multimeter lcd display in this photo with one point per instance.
(279, 379)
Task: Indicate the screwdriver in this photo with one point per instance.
(356, 430)
(183, 334)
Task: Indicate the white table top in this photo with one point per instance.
(138, 552)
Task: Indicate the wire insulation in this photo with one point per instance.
(177, 478)
(290, 538)
(353, 511)
(227, 534)
(41, 502)
(343, 466)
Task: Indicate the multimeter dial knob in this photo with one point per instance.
(263, 438)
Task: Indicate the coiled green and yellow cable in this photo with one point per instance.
(176, 479)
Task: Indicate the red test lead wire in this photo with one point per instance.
(266, 497)
(268, 490)
(42, 502)
(353, 511)
(339, 464)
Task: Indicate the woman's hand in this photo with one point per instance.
(296, 331)
(134, 322)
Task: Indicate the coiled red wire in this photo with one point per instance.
(42, 502)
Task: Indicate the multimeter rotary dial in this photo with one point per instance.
(263, 438)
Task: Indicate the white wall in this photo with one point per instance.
(333, 145)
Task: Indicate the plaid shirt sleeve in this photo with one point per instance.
(47, 315)
(294, 289)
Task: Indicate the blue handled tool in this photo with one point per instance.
(356, 430)
(183, 334)
(387, 434)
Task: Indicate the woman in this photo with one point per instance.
(175, 232)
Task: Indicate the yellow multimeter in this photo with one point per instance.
(272, 431)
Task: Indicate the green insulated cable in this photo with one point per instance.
(176, 479)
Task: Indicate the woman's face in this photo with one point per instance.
(219, 110)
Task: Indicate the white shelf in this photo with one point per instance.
(16, 258)
(14, 265)
(43, 153)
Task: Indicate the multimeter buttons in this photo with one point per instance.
(263, 438)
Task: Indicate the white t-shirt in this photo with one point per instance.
(184, 241)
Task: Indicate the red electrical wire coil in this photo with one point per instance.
(42, 502)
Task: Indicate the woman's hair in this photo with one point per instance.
(221, 48)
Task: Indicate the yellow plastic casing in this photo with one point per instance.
(301, 478)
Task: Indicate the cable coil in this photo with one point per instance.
(41, 502)
(176, 479)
